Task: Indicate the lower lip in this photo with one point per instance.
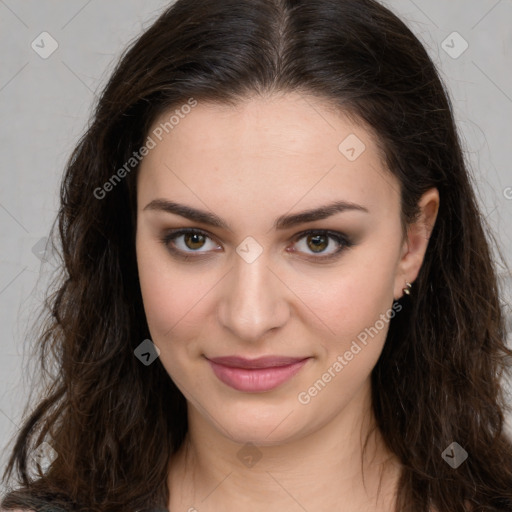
(258, 379)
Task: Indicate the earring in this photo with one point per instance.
(407, 290)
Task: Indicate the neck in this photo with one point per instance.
(323, 468)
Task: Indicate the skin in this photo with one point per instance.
(268, 157)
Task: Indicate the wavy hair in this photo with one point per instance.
(115, 425)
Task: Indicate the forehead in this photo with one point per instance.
(274, 150)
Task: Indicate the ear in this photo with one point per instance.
(416, 242)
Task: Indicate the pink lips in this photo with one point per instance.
(255, 375)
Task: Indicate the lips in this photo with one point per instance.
(256, 375)
(261, 362)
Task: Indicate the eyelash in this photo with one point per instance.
(343, 241)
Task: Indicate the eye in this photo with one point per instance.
(317, 241)
(186, 242)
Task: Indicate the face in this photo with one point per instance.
(229, 267)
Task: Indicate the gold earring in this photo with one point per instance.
(407, 290)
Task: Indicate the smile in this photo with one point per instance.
(261, 375)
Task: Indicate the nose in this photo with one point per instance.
(254, 300)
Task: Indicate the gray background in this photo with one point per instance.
(45, 104)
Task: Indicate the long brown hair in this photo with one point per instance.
(113, 423)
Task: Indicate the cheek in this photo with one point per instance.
(175, 315)
(351, 307)
(171, 296)
(353, 296)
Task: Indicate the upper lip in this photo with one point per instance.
(260, 362)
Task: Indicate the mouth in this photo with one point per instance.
(256, 375)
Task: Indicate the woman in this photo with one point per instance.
(277, 291)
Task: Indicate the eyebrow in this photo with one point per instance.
(282, 222)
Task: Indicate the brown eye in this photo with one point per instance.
(192, 243)
(327, 244)
(188, 241)
(194, 240)
(317, 243)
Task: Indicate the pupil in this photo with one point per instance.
(318, 241)
(194, 236)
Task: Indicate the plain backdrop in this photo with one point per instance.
(45, 103)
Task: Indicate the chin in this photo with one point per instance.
(262, 424)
